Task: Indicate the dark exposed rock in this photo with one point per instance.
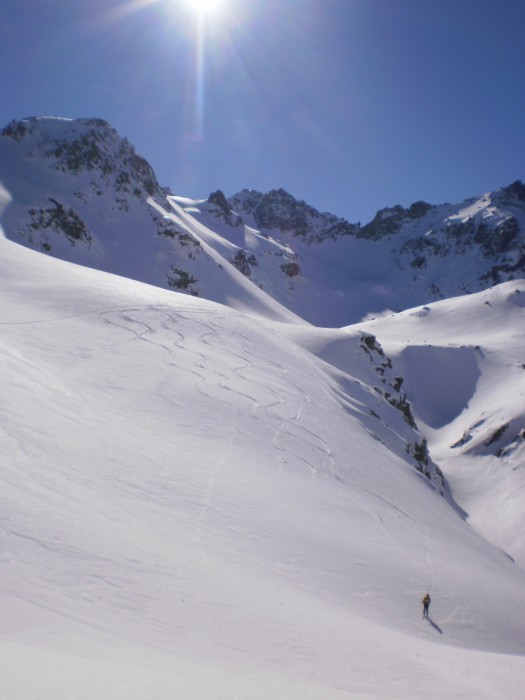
(223, 209)
(182, 280)
(62, 220)
(385, 223)
(515, 190)
(243, 262)
(291, 269)
(279, 210)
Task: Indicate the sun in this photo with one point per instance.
(203, 6)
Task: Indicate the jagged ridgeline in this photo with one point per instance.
(402, 258)
(279, 211)
(82, 193)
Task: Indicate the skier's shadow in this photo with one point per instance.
(433, 624)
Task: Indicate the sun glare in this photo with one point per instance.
(203, 6)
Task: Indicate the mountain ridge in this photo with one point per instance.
(86, 191)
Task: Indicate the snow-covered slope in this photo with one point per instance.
(202, 503)
(81, 193)
(463, 361)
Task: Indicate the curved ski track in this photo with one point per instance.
(274, 398)
(280, 408)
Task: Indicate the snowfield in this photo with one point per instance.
(463, 361)
(198, 502)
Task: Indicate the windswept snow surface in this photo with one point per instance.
(194, 505)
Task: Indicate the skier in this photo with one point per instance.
(426, 603)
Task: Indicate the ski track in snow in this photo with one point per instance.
(282, 413)
(286, 409)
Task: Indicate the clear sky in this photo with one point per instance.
(351, 105)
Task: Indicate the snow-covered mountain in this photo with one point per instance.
(81, 193)
(206, 496)
(401, 258)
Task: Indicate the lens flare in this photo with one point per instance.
(203, 6)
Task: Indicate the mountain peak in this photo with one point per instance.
(76, 145)
(279, 210)
(41, 130)
(515, 190)
(220, 208)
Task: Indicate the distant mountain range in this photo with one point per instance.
(81, 193)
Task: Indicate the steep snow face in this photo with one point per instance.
(81, 193)
(464, 368)
(202, 503)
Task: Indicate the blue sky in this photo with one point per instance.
(351, 105)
